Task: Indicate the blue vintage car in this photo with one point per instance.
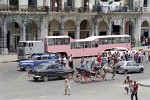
(36, 60)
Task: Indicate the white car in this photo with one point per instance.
(128, 66)
(116, 49)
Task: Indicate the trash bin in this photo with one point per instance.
(139, 43)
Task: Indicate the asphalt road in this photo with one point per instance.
(16, 85)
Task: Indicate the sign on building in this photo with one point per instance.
(117, 22)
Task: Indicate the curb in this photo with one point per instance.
(8, 61)
(144, 85)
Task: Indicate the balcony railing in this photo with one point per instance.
(98, 9)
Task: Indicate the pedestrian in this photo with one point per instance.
(87, 63)
(71, 61)
(99, 59)
(93, 64)
(134, 91)
(131, 86)
(148, 54)
(64, 61)
(82, 63)
(67, 86)
(126, 84)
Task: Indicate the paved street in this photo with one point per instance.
(16, 85)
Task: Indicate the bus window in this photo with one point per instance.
(30, 44)
(50, 42)
(22, 44)
(104, 41)
(80, 45)
(88, 44)
(74, 45)
(100, 41)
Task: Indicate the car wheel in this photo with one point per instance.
(45, 78)
(28, 68)
(125, 71)
(141, 70)
(35, 78)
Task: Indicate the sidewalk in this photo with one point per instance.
(145, 83)
(8, 58)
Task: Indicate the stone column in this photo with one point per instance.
(122, 28)
(62, 26)
(96, 29)
(23, 36)
(4, 49)
(77, 33)
(137, 31)
(109, 28)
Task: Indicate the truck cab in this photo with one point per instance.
(35, 61)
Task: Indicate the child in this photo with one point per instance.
(67, 85)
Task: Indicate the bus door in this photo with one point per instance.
(31, 48)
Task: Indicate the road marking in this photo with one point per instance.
(3, 72)
(20, 77)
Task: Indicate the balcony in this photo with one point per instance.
(68, 9)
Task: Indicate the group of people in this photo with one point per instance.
(63, 60)
(132, 87)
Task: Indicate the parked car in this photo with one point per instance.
(128, 66)
(35, 61)
(45, 71)
(116, 49)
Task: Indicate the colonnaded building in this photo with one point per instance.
(22, 20)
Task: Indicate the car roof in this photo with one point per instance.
(126, 61)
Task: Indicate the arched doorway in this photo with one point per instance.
(129, 29)
(84, 29)
(69, 28)
(53, 28)
(13, 36)
(102, 28)
(145, 29)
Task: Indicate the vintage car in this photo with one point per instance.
(45, 71)
(128, 66)
(35, 61)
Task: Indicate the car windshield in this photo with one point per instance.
(40, 67)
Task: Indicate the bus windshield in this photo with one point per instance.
(22, 44)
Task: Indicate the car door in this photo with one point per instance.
(60, 71)
(136, 67)
(37, 61)
(129, 67)
(51, 70)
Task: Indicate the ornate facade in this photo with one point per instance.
(22, 20)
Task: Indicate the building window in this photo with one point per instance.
(70, 3)
(145, 3)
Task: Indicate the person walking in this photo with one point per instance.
(134, 91)
(82, 63)
(126, 84)
(71, 61)
(64, 61)
(67, 86)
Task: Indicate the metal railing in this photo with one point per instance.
(105, 9)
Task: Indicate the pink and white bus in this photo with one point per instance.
(85, 47)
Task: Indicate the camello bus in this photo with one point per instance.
(85, 47)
